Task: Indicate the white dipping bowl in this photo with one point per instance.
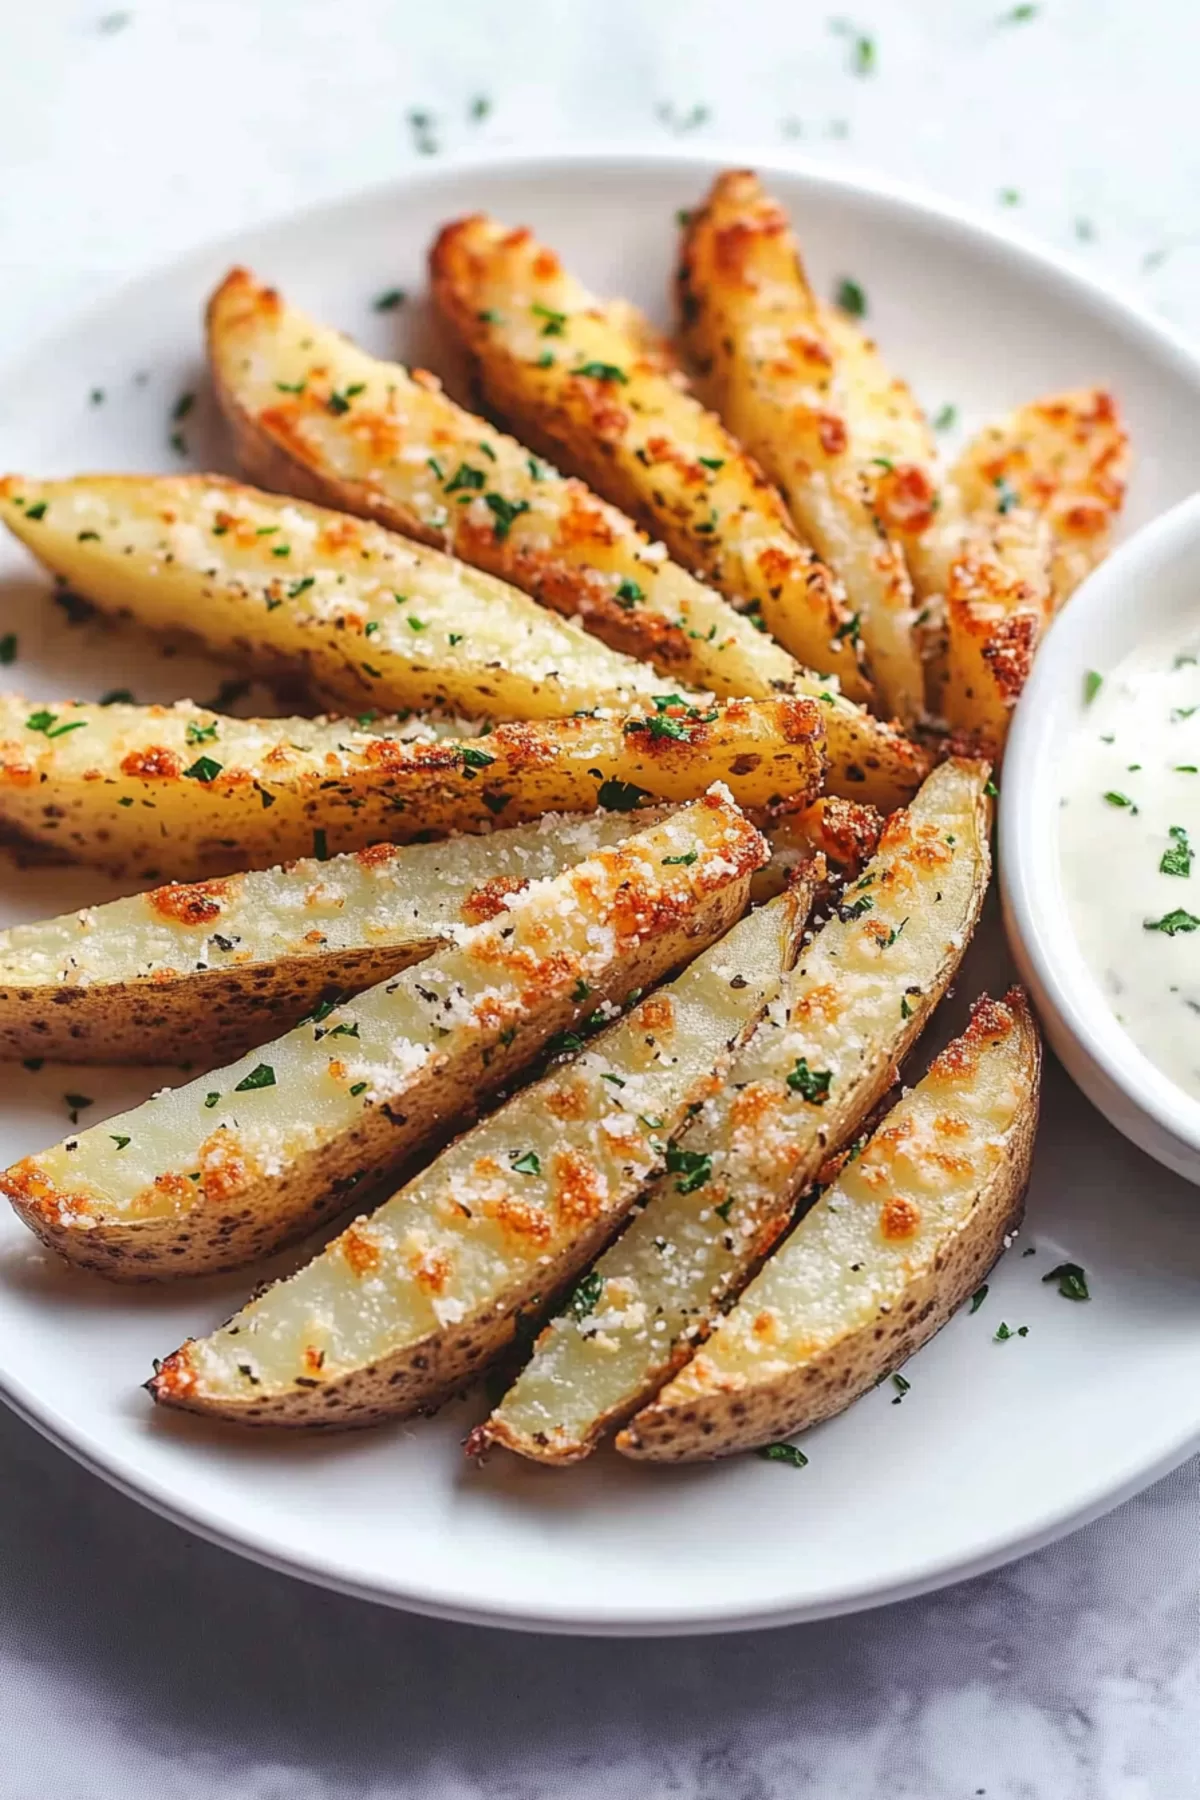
(1145, 589)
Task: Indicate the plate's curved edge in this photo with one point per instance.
(909, 197)
(1069, 277)
(932, 1577)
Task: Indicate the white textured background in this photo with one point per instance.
(135, 1660)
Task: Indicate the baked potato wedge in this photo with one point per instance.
(842, 834)
(228, 1167)
(886, 1254)
(312, 414)
(589, 396)
(1065, 458)
(200, 972)
(830, 430)
(180, 793)
(365, 617)
(824, 1055)
(999, 601)
(413, 1299)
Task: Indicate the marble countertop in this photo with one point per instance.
(135, 1658)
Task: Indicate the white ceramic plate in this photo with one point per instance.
(998, 1446)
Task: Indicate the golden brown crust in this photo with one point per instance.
(598, 404)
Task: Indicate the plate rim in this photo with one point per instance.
(1067, 273)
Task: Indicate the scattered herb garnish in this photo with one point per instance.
(204, 769)
(1004, 1332)
(978, 1297)
(120, 1142)
(694, 1166)
(47, 724)
(850, 297)
(389, 300)
(685, 861)
(811, 1084)
(601, 371)
(476, 759)
(583, 1300)
(262, 1076)
(1007, 496)
(784, 1453)
(1092, 683)
(1173, 922)
(504, 512)
(946, 417)
(1071, 1279)
(210, 1100)
(527, 1163)
(1177, 858)
(320, 844)
(628, 594)
(619, 796)
(902, 1387)
(1116, 799)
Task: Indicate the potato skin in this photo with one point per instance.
(695, 1420)
(210, 1014)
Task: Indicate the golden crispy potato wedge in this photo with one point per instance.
(414, 1298)
(585, 392)
(368, 618)
(843, 834)
(999, 601)
(831, 430)
(314, 415)
(180, 792)
(907, 1230)
(191, 973)
(226, 1168)
(1065, 458)
(825, 1053)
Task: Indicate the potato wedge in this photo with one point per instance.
(999, 601)
(823, 432)
(880, 1262)
(180, 793)
(314, 415)
(226, 1168)
(367, 618)
(825, 1053)
(202, 972)
(412, 1299)
(587, 395)
(841, 833)
(1065, 458)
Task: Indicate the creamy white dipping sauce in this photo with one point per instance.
(1129, 824)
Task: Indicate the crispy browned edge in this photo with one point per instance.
(722, 1424)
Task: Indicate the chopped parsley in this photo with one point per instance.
(1173, 922)
(1092, 683)
(47, 724)
(811, 1084)
(694, 1166)
(1004, 1332)
(1071, 1279)
(1019, 15)
(946, 417)
(528, 1162)
(619, 796)
(601, 371)
(1116, 799)
(724, 1209)
(183, 407)
(855, 909)
(685, 861)
(1007, 496)
(204, 769)
(120, 1142)
(978, 1297)
(555, 321)
(201, 734)
(628, 594)
(902, 1387)
(476, 759)
(210, 1100)
(360, 1087)
(389, 300)
(320, 844)
(849, 628)
(262, 1076)
(339, 401)
(850, 297)
(504, 512)
(1177, 858)
(784, 1453)
(465, 477)
(583, 1300)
